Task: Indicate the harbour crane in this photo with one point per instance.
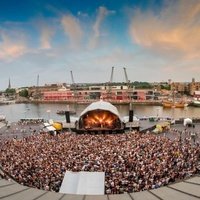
(127, 83)
(110, 84)
(72, 77)
(37, 94)
(73, 86)
(111, 77)
(126, 76)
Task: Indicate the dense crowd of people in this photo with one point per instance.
(131, 162)
(31, 121)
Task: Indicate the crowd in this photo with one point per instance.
(131, 162)
(30, 121)
(191, 134)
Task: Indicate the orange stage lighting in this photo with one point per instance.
(100, 119)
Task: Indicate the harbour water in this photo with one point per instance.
(14, 112)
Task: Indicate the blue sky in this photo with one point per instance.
(154, 40)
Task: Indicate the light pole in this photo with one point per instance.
(157, 112)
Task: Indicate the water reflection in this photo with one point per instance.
(14, 112)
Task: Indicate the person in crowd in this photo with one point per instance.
(132, 162)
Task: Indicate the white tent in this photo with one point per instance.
(49, 128)
(187, 121)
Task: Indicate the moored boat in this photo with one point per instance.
(195, 103)
(170, 104)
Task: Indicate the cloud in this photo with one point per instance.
(175, 31)
(11, 48)
(117, 57)
(72, 29)
(46, 36)
(82, 14)
(102, 13)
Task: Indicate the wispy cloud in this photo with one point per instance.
(175, 31)
(102, 13)
(72, 29)
(46, 36)
(11, 48)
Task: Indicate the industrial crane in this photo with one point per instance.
(73, 86)
(127, 83)
(72, 77)
(110, 84)
(37, 93)
(111, 77)
(126, 76)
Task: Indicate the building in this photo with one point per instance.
(144, 95)
(194, 86)
(37, 91)
(180, 87)
(185, 88)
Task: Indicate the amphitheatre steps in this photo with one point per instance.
(188, 189)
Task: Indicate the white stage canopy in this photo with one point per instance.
(85, 183)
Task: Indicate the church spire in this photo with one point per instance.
(9, 85)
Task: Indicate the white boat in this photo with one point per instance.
(196, 103)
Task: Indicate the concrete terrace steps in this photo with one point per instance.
(186, 190)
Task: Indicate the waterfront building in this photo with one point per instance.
(185, 87)
(91, 92)
(197, 95)
(118, 92)
(180, 87)
(34, 90)
(194, 86)
(143, 94)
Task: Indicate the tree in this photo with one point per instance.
(23, 93)
(165, 87)
(10, 91)
(142, 85)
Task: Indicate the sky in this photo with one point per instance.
(155, 40)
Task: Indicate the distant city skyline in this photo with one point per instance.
(155, 40)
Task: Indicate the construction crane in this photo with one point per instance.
(126, 76)
(37, 94)
(111, 77)
(72, 77)
(73, 86)
(110, 85)
(127, 83)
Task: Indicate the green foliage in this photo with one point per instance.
(10, 91)
(23, 93)
(142, 85)
(165, 87)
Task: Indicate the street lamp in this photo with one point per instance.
(157, 112)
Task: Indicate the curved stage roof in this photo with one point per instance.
(100, 116)
(101, 105)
